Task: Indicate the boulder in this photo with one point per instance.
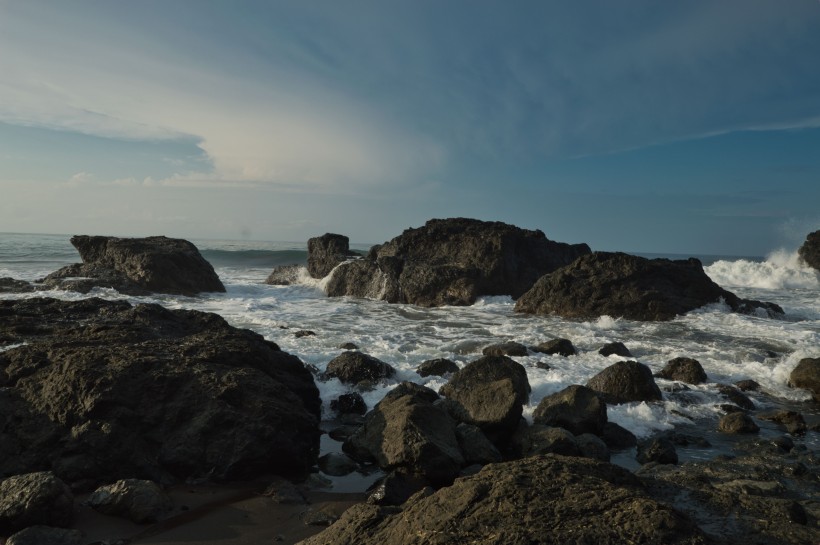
(438, 367)
(509, 348)
(34, 499)
(46, 535)
(626, 286)
(810, 250)
(539, 439)
(793, 421)
(660, 450)
(624, 382)
(747, 385)
(736, 396)
(11, 285)
(353, 367)
(563, 347)
(337, 464)
(575, 408)
(285, 275)
(617, 348)
(143, 391)
(542, 499)
(410, 434)
(475, 446)
(137, 266)
(395, 488)
(452, 262)
(350, 403)
(489, 393)
(617, 437)
(806, 375)
(326, 252)
(137, 500)
(592, 446)
(739, 422)
(686, 370)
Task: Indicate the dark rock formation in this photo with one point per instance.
(793, 421)
(137, 500)
(353, 367)
(624, 382)
(575, 408)
(592, 446)
(104, 390)
(563, 347)
(543, 499)
(737, 423)
(34, 498)
(539, 439)
(489, 393)
(336, 464)
(686, 370)
(747, 385)
(452, 262)
(326, 252)
(137, 266)
(810, 250)
(618, 437)
(509, 348)
(285, 275)
(659, 450)
(617, 348)
(10, 285)
(475, 447)
(806, 375)
(437, 367)
(350, 403)
(46, 535)
(395, 488)
(410, 434)
(736, 396)
(636, 288)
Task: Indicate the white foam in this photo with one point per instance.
(781, 270)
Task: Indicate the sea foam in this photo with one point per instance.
(782, 269)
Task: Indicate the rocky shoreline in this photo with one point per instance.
(107, 406)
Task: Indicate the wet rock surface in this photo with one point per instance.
(810, 250)
(562, 347)
(806, 375)
(353, 367)
(438, 367)
(577, 409)
(686, 370)
(326, 252)
(624, 382)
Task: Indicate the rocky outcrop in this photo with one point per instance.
(34, 499)
(137, 266)
(575, 408)
(103, 390)
(137, 500)
(452, 262)
(543, 499)
(326, 252)
(806, 375)
(686, 370)
(626, 286)
(11, 285)
(624, 382)
(810, 250)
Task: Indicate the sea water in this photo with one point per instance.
(730, 346)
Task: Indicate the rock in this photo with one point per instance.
(617, 348)
(810, 250)
(353, 367)
(592, 446)
(686, 370)
(395, 489)
(627, 286)
(617, 437)
(46, 535)
(348, 346)
(736, 396)
(659, 450)
(737, 423)
(509, 348)
(564, 347)
(437, 367)
(351, 403)
(489, 393)
(747, 385)
(543, 365)
(806, 375)
(10, 285)
(143, 391)
(137, 500)
(34, 499)
(452, 262)
(285, 275)
(319, 517)
(793, 421)
(337, 464)
(416, 391)
(475, 446)
(624, 382)
(543, 499)
(138, 266)
(304, 333)
(577, 409)
(284, 492)
(410, 434)
(326, 252)
(539, 439)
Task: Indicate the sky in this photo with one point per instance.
(637, 125)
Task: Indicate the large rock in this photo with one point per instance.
(407, 432)
(103, 390)
(137, 266)
(632, 287)
(452, 262)
(489, 393)
(624, 382)
(46, 535)
(353, 367)
(810, 250)
(32, 499)
(543, 499)
(575, 408)
(807, 375)
(326, 252)
(137, 500)
(686, 370)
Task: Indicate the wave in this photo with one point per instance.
(782, 269)
(254, 258)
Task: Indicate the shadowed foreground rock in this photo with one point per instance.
(104, 390)
(543, 499)
(137, 266)
(627, 286)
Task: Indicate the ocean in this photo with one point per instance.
(731, 347)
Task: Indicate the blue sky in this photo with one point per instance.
(685, 127)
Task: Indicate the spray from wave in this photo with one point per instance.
(783, 269)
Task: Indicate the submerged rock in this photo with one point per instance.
(137, 266)
(632, 287)
(452, 262)
(810, 250)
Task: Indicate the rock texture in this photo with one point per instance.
(624, 382)
(543, 499)
(563, 347)
(617, 348)
(137, 266)
(806, 375)
(137, 500)
(104, 390)
(354, 367)
(437, 367)
(810, 250)
(34, 499)
(627, 286)
(575, 408)
(452, 262)
(46, 535)
(686, 370)
(326, 252)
